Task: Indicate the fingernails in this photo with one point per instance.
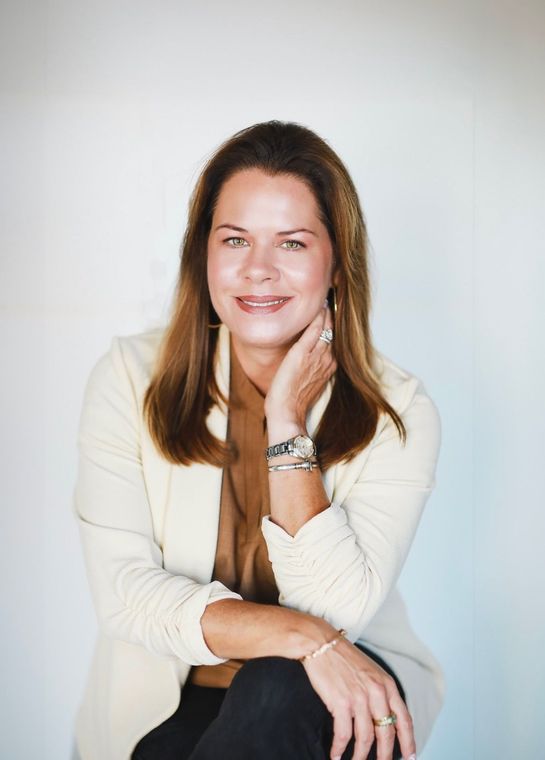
(337, 757)
(325, 307)
(412, 757)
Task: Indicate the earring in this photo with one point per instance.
(334, 289)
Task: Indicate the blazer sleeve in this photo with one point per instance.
(135, 598)
(343, 562)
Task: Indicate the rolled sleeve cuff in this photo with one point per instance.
(325, 528)
(200, 651)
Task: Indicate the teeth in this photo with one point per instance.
(266, 303)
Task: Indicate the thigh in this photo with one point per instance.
(175, 738)
(270, 712)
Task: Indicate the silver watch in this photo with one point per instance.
(301, 446)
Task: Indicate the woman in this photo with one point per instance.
(251, 478)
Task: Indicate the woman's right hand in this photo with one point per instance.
(354, 687)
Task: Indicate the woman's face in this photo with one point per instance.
(267, 244)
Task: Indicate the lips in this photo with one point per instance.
(268, 299)
(261, 304)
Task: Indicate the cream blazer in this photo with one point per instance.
(149, 531)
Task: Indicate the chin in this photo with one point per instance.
(265, 338)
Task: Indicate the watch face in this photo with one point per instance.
(304, 445)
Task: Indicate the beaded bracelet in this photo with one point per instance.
(324, 647)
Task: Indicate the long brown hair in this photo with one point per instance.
(183, 387)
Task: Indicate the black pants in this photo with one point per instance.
(269, 711)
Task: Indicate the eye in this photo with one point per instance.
(234, 238)
(291, 248)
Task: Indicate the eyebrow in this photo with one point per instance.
(283, 232)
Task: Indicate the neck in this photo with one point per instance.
(259, 364)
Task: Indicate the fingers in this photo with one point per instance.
(385, 701)
(342, 731)
(323, 350)
(310, 336)
(364, 731)
(323, 321)
(404, 723)
(379, 707)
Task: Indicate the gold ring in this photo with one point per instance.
(386, 721)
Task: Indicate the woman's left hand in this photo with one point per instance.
(356, 690)
(303, 373)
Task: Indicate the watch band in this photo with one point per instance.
(277, 449)
(291, 447)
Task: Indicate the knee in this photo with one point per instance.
(272, 686)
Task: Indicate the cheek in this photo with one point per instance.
(215, 273)
(219, 267)
(312, 279)
(221, 283)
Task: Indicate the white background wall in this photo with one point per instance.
(107, 113)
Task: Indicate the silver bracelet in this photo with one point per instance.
(308, 465)
(324, 647)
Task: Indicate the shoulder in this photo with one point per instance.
(129, 361)
(140, 350)
(405, 391)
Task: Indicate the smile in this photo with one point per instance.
(263, 303)
(263, 306)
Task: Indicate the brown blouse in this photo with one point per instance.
(242, 562)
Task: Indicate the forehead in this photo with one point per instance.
(252, 190)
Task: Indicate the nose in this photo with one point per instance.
(259, 264)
